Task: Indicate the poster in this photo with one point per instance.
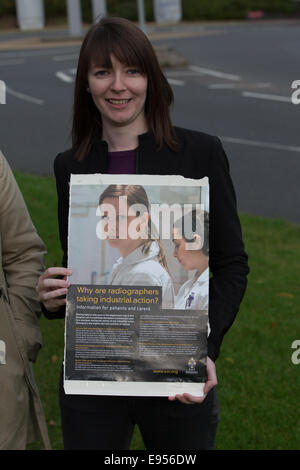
(137, 308)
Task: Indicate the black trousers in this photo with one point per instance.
(107, 423)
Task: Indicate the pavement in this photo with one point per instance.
(49, 37)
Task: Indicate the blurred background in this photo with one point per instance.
(233, 67)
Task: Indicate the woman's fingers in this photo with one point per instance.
(51, 283)
(52, 294)
(56, 271)
(211, 382)
(188, 399)
(52, 290)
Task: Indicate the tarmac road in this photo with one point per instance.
(236, 84)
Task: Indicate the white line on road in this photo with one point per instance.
(24, 97)
(173, 81)
(64, 77)
(38, 53)
(12, 62)
(214, 73)
(60, 58)
(221, 86)
(263, 96)
(256, 143)
(181, 73)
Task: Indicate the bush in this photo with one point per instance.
(7, 7)
(55, 8)
(126, 8)
(233, 9)
(191, 9)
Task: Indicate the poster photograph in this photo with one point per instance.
(137, 308)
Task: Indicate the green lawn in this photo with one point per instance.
(258, 384)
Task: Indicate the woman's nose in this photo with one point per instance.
(118, 83)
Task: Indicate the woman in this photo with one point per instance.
(143, 261)
(22, 260)
(191, 251)
(122, 124)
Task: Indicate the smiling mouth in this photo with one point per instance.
(111, 101)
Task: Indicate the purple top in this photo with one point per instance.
(122, 162)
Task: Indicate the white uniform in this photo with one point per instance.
(139, 269)
(193, 294)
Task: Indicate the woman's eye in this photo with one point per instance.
(101, 73)
(133, 71)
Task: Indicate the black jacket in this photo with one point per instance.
(199, 155)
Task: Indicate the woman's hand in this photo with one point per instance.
(189, 399)
(52, 291)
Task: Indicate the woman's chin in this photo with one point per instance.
(113, 242)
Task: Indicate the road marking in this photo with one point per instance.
(22, 54)
(221, 86)
(60, 58)
(24, 97)
(12, 62)
(214, 73)
(181, 73)
(64, 77)
(172, 81)
(262, 96)
(256, 143)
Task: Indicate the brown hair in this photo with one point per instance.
(123, 39)
(188, 224)
(136, 195)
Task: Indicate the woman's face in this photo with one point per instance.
(124, 231)
(119, 93)
(187, 258)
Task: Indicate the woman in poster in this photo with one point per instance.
(143, 261)
(122, 124)
(191, 251)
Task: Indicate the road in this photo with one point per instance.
(236, 84)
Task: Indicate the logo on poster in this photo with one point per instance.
(192, 364)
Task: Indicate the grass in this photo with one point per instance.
(258, 384)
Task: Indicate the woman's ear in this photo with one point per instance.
(197, 241)
(196, 244)
(144, 220)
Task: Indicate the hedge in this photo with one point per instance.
(191, 9)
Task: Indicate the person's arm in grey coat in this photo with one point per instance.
(23, 254)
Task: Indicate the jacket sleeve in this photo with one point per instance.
(62, 188)
(22, 259)
(227, 258)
